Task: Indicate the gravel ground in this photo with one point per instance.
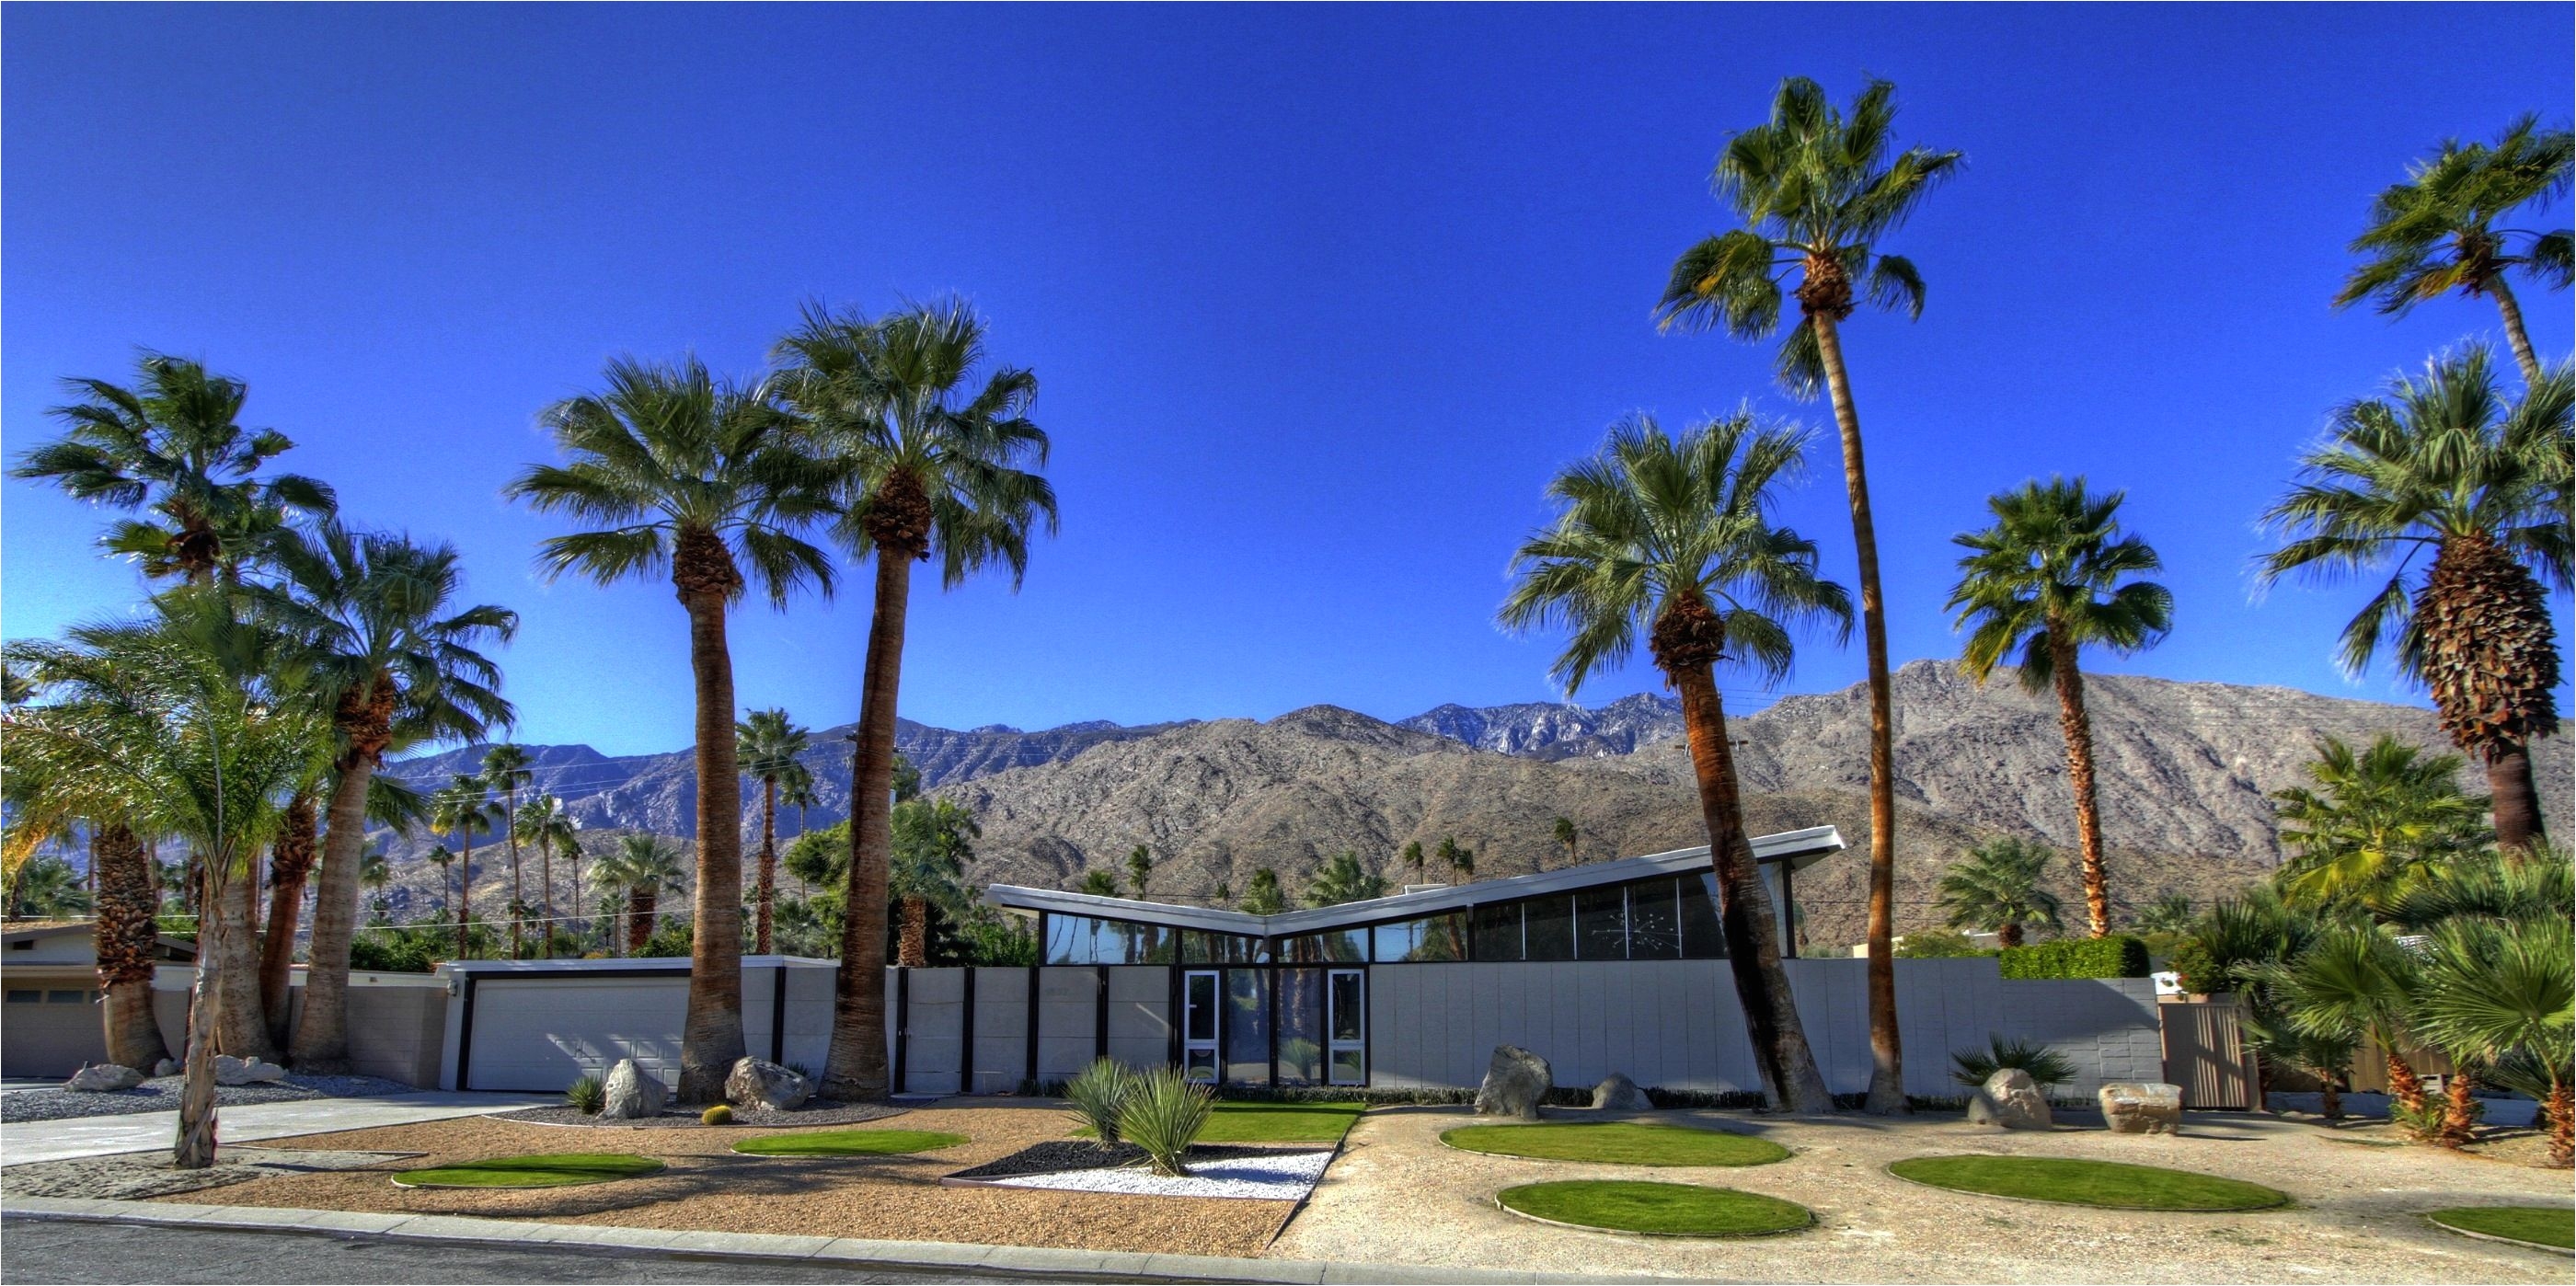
(708, 1187)
(1397, 1195)
(812, 1116)
(161, 1094)
(135, 1176)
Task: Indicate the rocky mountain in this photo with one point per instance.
(1545, 730)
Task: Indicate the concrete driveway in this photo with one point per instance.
(91, 1136)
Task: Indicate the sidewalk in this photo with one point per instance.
(90, 1136)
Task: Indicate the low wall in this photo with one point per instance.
(396, 1020)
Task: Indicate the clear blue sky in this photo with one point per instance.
(1318, 298)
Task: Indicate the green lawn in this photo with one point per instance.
(1617, 1143)
(1275, 1122)
(1660, 1209)
(2539, 1225)
(554, 1171)
(2088, 1183)
(848, 1143)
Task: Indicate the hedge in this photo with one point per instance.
(2119, 956)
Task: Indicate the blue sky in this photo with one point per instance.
(1318, 298)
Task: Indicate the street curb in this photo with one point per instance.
(758, 1247)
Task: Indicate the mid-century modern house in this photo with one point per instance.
(50, 1022)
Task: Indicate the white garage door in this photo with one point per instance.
(541, 1035)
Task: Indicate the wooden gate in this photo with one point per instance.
(2207, 1055)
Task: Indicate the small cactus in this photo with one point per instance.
(717, 1115)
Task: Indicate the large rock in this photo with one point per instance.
(2142, 1107)
(1619, 1094)
(631, 1093)
(759, 1085)
(245, 1071)
(166, 1067)
(2010, 1099)
(1515, 1083)
(103, 1078)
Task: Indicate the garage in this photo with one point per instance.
(53, 1025)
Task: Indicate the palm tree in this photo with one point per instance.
(127, 942)
(1566, 838)
(393, 650)
(543, 824)
(933, 841)
(1262, 896)
(1140, 868)
(2444, 465)
(1413, 859)
(46, 887)
(1996, 890)
(1460, 861)
(2436, 232)
(1817, 191)
(460, 810)
(2170, 913)
(1675, 539)
(1342, 880)
(2379, 821)
(645, 867)
(170, 445)
(2497, 993)
(375, 872)
(2053, 576)
(291, 859)
(938, 463)
(2353, 983)
(194, 724)
(444, 858)
(680, 472)
(505, 770)
(767, 744)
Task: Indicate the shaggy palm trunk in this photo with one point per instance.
(289, 865)
(2330, 1096)
(125, 940)
(546, 898)
(322, 1038)
(711, 1042)
(2561, 1111)
(914, 950)
(2459, 1109)
(2514, 335)
(639, 920)
(856, 1068)
(2404, 1085)
(768, 857)
(2490, 660)
(1887, 1057)
(195, 1146)
(242, 1030)
(518, 893)
(2008, 934)
(464, 891)
(2078, 729)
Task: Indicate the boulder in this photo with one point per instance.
(2010, 1099)
(2142, 1107)
(631, 1093)
(103, 1078)
(1619, 1094)
(1515, 1083)
(759, 1085)
(245, 1071)
(166, 1067)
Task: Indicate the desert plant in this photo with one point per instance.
(586, 1096)
(1164, 1115)
(717, 1115)
(1971, 1067)
(1098, 1094)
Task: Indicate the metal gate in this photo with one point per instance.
(2207, 1055)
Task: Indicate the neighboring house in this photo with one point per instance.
(50, 1023)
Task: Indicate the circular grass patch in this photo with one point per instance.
(2109, 1184)
(557, 1170)
(1655, 1209)
(849, 1143)
(2551, 1226)
(1616, 1143)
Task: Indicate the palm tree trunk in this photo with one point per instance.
(195, 1146)
(914, 951)
(322, 1038)
(2330, 1096)
(572, 854)
(242, 1030)
(125, 939)
(2009, 934)
(2561, 1111)
(1887, 1056)
(288, 868)
(2403, 1084)
(2515, 797)
(518, 893)
(856, 1068)
(768, 856)
(2078, 728)
(2490, 661)
(546, 898)
(464, 891)
(640, 906)
(712, 1040)
(2515, 336)
(2459, 1108)
(1788, 1066)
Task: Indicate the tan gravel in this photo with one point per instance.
(1397, 1195)
(709, 1187)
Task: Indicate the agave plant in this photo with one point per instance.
(1098, 1094)
(1164, 1116)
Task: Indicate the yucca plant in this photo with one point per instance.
(1098, 1094)
(586, 1096)
(1164, 1116)
(1971, 1067)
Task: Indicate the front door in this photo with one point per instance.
(1346, 1027)
(1201, 1004)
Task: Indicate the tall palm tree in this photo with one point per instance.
(1675, 539)
(768, 743)
(1460, 861)
(291, 859)
(506, 772)
(394, 651)
(1818, 190)
(444, 858)
(542, 823)
(2436, 232)
(1996, 890)
(2444, 465)
(170, 445)
(1413, 859)
(938, 455)
(796, 789)
(679, 473)
(377, 874)
(463, 808)
(2379, 821)
(1140, 869)
(1566, 838)
(2054, 575)
(127, 941)
(644, 867)
(933, 841)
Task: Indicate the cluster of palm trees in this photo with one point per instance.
(1673, 536)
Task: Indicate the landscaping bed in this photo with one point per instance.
(1217, 1170)
(817, 1112)
(161, 1094)
(2070, 1181)
(136, 1176)
(1655, 1209)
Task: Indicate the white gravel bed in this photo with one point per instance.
(161, 1094)
(1279, 1176)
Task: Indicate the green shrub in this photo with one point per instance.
(2045, 1065)
(1164, 1115)
(717, 1115)
(1098, 1094)
(1939, 944)
(2118, 956)
(586, 1096)
(2196, 969)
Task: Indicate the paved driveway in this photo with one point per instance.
(91, 1136)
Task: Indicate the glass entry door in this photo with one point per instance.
(1346, 1026)
(1201, 1004)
